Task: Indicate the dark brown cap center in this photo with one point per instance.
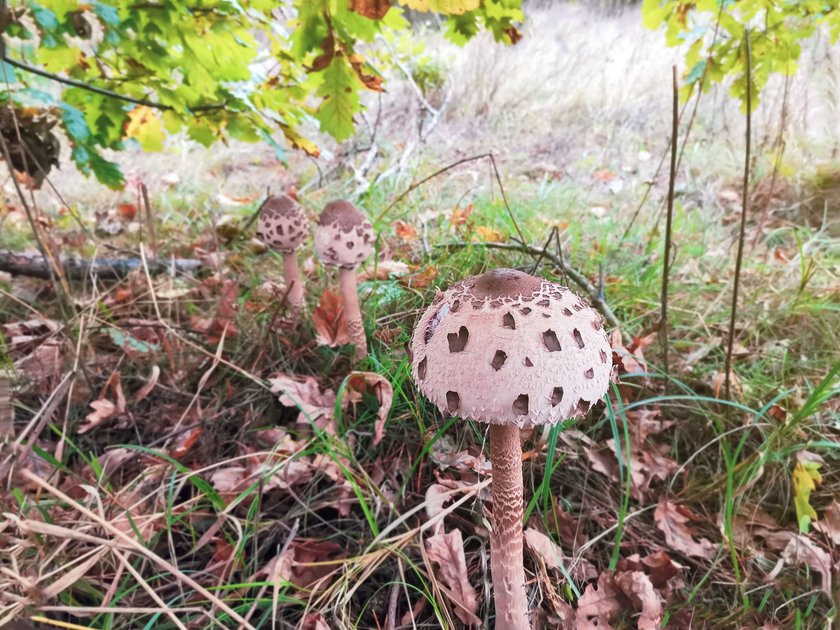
(505, 283)
(342, 212)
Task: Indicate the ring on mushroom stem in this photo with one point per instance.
(344, 238)
(514, 351)
(284, 226)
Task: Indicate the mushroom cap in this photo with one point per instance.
(344, 237)
(508, 348)
(282, 225)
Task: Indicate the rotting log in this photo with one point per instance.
(33, 265)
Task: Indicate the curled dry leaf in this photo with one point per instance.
(305, 394)
(554, 558)
(802, 550)
(638, 588)
(447, 550)
(599, 604)
(405, 231)
(663, 572)
(104, 409)
(306, 563)
(361, 383)
(420, 278)
(329, 322)
(486, 234)
(445, 453)
(673, 520)
(829, 523)
(150, 384)
(439, 494)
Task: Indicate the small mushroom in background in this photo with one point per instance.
(514, 351)
(284, 226)
(343, 239)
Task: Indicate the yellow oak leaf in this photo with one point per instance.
(144, 125)
(806, 476)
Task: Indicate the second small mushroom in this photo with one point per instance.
(343, 239)
(513, 351)
(284, 226)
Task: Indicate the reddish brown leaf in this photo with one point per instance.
(405, 231)
(329, 322)
(371, 9)
(460, 215)
(127, 211)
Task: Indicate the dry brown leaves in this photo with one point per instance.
(105, 409)
(829, 524)
(405, 231)
(317, 404)
(604, 603)
(649, 461)
(361, 383)
(552, 555)
(447, 550)
(673, 520)
(328, 319)
(306, 563)
(305, 393)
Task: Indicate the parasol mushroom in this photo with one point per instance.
(284, 226)
(343, 239)
(514, 351)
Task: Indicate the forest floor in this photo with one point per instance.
(186, 454)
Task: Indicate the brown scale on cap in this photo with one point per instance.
(344, 237)
(282, 224)
(500, 362)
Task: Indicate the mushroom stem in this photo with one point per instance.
(506, 538)
(352, 314)
(291, 272)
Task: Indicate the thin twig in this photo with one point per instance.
(102, 91)
(148, 213)
(576, 276)
(666, 267)
(745, 198)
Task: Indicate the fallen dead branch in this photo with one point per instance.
(35, 266)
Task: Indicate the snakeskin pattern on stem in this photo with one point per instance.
(352, 314)
(506, 538)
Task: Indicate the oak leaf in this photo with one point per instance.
(672, 520)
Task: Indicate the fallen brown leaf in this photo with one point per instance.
(328, 319)
(305, 394)
(638, 588)
(447, 549)
(673, 520)
(802, 550)
(149, 385)
(829, 524)
(406, 231)
(360, 383)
